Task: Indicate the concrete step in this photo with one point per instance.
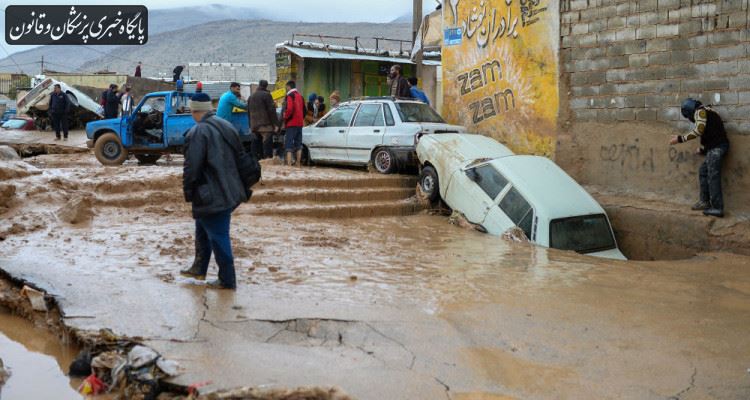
(327, 195)
(365, 182)
(335, 210)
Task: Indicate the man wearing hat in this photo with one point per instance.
(212, 183)
(714, 145)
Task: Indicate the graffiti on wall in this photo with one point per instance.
(502, 74)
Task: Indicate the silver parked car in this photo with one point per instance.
(383, 131)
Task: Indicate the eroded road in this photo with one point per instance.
(365, 292)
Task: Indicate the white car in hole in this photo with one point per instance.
(380, 130)
(496, 190)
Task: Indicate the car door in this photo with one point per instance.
(366, 132)
(513, 207)
(179, 120)
(473, 191)
(326, 141)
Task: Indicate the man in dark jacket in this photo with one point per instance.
(138, 70)
(212, 183)
(264, 122)
(714, 145)
(176, 73)
(112, 105)
(399, 85)
(59, 107)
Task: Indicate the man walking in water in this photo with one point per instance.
(714, 145)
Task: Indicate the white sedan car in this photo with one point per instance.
(383, 131)
(497, 190)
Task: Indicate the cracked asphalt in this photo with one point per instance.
(394, 307)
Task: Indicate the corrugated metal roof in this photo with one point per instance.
(332, 55)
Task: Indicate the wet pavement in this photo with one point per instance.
(36, 360)
(400, 306)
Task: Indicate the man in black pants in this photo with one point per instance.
(59, 107)
(714, 145)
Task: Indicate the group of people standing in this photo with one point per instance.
(116, 103)
(266, 122)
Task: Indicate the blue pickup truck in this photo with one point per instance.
(157, 126)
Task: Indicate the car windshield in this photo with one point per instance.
(418, 112)
(584, 234)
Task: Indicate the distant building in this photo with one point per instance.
(354, 70)
(227, 72)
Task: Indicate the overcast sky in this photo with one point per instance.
(300, 10)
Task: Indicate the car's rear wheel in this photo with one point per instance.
(109, 150)
(429, 184)
(384, 161)
(147, 159)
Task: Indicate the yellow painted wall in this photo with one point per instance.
(90, 80)
(502, 77)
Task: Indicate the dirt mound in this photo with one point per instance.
(7, 194)
(279, 394)
(16, 169)
(78, 210)
(8, 154)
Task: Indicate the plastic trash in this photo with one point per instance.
(81, 366)
(169, 367)
(92, 386)
(36, 298)
(140, 356)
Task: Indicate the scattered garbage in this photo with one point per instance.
(515, 234)
(36, 298)
(458, 219)
(169, 367)
(140, 356)
(119, 366)
(81, 366)
(92, 386)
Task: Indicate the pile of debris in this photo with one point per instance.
(119, 366)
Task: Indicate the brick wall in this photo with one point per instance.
(637, 60)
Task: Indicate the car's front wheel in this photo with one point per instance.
(429, 184)
(384, 161)
(109, 150)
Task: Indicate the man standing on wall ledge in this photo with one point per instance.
(714, 145)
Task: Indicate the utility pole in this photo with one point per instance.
(416, 23)
(416, 19)
(42, 71)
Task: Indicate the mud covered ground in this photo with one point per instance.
(344, 282)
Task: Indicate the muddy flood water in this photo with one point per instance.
(36, 360)
(344, 281)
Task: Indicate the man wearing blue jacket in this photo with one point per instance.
(59, 107)
(228, 101)
(416, 92)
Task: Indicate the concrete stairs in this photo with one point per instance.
(368, 196)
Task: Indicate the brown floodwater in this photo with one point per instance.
(36, 360)
(405, 298)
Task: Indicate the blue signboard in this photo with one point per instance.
(453, 36)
